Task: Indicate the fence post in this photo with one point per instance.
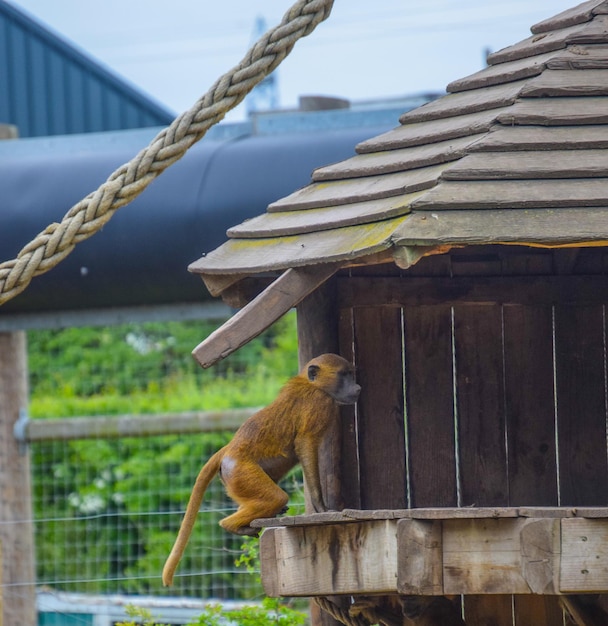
(16, 533)
(1, 594)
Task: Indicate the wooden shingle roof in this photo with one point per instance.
(524, 138)
(515, 153)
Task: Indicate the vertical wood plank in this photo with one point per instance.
(429, 388)
(16, 532)
(581, 405)
(489, 611)
(317, 317)
(480, 402)
(528, 336)
(481, 439)
(349, 452)
(538, 610)
(381, 424)
(317, 334)
(318, 322)
(530, 415)
(268, 563)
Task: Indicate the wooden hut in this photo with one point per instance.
(460, 261)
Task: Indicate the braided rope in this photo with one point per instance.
(86, 217)
(340, 614)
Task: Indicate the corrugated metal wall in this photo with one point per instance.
(49, 88)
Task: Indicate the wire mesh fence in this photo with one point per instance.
(107, 508)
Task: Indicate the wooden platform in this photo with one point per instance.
(525, 550)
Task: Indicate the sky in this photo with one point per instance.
(174, 50)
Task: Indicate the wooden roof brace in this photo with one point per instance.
(283, 294)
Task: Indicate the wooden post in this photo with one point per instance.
(1, 593)
(317, 334)
(16, 533)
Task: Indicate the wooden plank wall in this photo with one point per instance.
(475, 403)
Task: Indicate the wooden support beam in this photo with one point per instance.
(482, 557)
(366, 291)
(330, 560)
(540, 546)
(420, 557)
(1, 590)
(278, 298)
(584, 559)
(477, 556)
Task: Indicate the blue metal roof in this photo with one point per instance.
(47, 87)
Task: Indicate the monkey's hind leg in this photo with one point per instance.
(256, 494)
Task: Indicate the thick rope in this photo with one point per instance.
(87, 216)
(340, 614)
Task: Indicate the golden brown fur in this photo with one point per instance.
(268, 445)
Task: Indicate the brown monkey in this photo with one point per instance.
(268, 445)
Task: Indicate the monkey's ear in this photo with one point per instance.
(313, 371)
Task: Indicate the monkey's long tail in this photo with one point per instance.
(209, 470)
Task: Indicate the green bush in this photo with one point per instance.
(148, 368)
(269, 612)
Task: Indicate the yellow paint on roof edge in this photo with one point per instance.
(330, 246)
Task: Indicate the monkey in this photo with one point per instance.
(267, 445)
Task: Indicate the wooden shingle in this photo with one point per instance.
(314, 220)
(555, 112)
(576, 15)
(347, 191)
(592, 82)
(500, 194)
(531, 164)
(522, 138)
(388, 161)
(589, 32)
(423, 133)
(505, 72)
(467, 102)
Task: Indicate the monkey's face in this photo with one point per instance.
(347, 391)
(336, 376)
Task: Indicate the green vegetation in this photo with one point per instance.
(268, 613)
(148, 368)
(108, 510)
